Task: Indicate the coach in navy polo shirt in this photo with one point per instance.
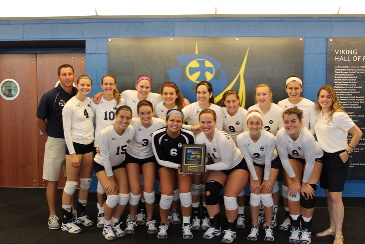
(49, 120)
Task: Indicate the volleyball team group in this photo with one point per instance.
(138, 139)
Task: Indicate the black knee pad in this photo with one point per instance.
(212, 190)
(308, 203)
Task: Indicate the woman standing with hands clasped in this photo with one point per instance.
(332, 127)
(109, 167)
(301, 157)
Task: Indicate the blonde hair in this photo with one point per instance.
(335, 107)
(116, 94)
(263, 85)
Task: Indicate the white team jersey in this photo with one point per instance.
(222, 150)
(131, 99)
(161, 110)
(104, 115)
(261, 152)
(141, 145)
(307, 107)
(113, 147)
(192, 111)
(273, 119)
(78, 124)
(332, 134)
(305, 147)
(236, 124)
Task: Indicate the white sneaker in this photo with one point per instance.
(229, 236)
(269, 234)
(53, 222)
(151, 224)
(108, 233)
(84, 220)
(174, 218)
(131, 225)
(305, 237)
(285, 225)
(162, 231)
(141, 217)
(254, 234)
(100, 220)
(240, 222)
(212, 232)
(71, 228)
(186, 230)
(118, 231)
(205, 223)
(295, 235)
(196, 223)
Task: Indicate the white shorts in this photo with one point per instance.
(54, 158)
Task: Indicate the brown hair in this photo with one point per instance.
(125, 108)
(180, 99)
(262, 85)
(210, 89)
(84, 77)
(144, 103)
(226, 94)
(335, 107)
(116, 94)
(208, 111)
(65, 66)
(294, 110)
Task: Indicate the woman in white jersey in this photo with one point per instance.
(234, 123)
(109, 167)
(204, 95)
(294, 88)
(78, 127)
(258, 149)
(104, 113)
(140, 157)
(143, 92)
(227, 168)
(272, 121)
(167, 147)
(301, 157)
(332, 127)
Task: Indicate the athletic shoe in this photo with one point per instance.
(262, 222)
(131, 225)
(205, 223)
(71, 228)
(211, 232)
(229, 236)
(174, 218)
(118, 231)
(305, 237)
(186, 230)
(295, 235)
(100, 220)
(240, 222)
(151, 224)
(141, 217)
(285, 226)
(53, 222)
(274, 224)
(162, 231)
(254, 234)
(84, 220)
(269, 234)
(108, 233)
(196, 223)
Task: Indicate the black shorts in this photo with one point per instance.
(81, 148)
(241, 165)
(334, 172)
(130, 159)
(98, 167)
(275, 164)
(302, 160)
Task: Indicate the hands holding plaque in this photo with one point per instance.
(193, 158)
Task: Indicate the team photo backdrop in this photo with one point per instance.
(238, 63)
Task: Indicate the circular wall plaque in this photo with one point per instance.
(9, 89)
